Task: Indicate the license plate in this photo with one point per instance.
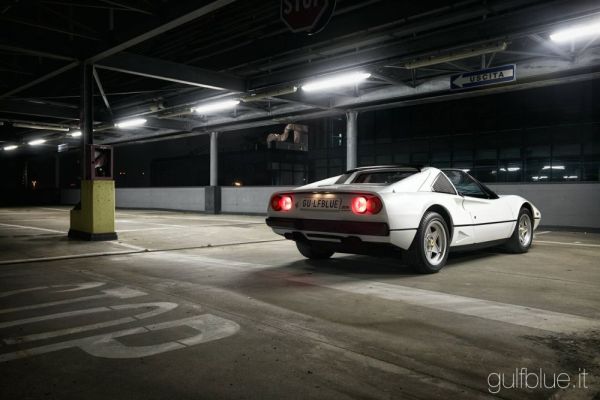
(325, 204)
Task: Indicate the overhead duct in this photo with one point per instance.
(454, 56)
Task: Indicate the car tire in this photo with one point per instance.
(522, 236)
(313, 251)
(429, 250)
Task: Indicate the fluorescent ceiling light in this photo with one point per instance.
(349, 79)
(37, 142)
(10, 147)
(37, 126)
(570, 177)
(546, 167)
(216, 106)
(513, 169)
(576, 32)
(75, 133)
(130, 123)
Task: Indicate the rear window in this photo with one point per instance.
(386, 177)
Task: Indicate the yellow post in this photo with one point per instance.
(94, 219)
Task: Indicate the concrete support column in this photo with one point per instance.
(94, 217)
(214, 159)
(212, 197)
(351, 139)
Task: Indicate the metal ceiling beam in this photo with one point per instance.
(126, 7)
(38, 109)
(101, 90)
(35, 53)
(40, 79)
(200, 12)
(175, 125)
(169, 71)
(215, 5)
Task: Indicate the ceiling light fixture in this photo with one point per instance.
(10, 147)
(335, 81)
(37, 142)
(75, 133)
(216, 106)
(37, 126)
(130, 123)
(576, 32)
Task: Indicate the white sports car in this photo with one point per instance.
(421, 212)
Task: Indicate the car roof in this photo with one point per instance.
(408, 167)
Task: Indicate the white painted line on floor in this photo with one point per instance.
(158, 308)
(40, 318)
(207, 328)
(77, 287)
(83, 255)
(31, 227)
(131, 246)
(492, 310)
(120, 293)
(56, 209)
(542, 233)
(567, 243)
(142, 229)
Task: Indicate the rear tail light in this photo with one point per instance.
(366, 204)
(281, 202)
(359, 205)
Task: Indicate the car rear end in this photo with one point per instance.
(344, 218)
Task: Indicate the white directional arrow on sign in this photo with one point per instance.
(483, 77)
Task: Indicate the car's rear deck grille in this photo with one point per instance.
(332, 226)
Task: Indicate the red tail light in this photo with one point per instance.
(281, 202)
(374, 205)
(359, 205)
(366, 204)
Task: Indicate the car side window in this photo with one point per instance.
(466, 185)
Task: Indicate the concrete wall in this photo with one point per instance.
(563, 205)
(248, 199)
(176, 198)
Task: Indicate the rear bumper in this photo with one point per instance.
(330, 226)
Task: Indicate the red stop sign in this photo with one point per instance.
(306, 15)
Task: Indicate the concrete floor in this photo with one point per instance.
(188, 306)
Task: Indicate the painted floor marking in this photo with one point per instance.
(31, 227)
(567, 243)
(541, 233)
(492, 310)
(158, 308)
(130, 246)
(120, 293)
(142, 229)
(77, 286)
(208, 327)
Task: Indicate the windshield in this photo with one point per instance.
(381, 177)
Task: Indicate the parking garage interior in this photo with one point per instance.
(141, 142)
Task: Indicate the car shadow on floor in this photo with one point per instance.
(383, 266)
